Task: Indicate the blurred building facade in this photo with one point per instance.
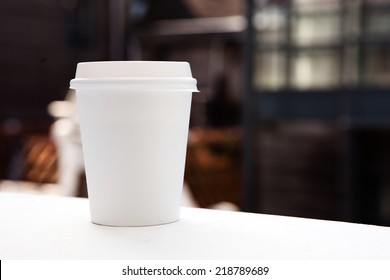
(320, 77)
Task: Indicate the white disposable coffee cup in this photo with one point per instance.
(134, 118)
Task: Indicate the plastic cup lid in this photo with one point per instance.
(141, 75)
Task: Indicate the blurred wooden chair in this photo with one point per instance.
(213, 166)
(40, 164)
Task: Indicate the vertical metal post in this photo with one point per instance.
(249, 118)
(118, 10)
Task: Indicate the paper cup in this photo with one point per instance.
(134, 118)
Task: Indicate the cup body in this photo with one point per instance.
(134, 142)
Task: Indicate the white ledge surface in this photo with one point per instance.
(53, 227)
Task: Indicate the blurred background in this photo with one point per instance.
(293, 117)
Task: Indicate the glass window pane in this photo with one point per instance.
(318, 29)
(376, 22)
(315, 69)
(270, 24)
(315, 5)
(376, 67)
(270, 70)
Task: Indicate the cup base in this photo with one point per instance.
(135, 225)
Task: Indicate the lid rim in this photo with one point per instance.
(138, 83)
(134, 78)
